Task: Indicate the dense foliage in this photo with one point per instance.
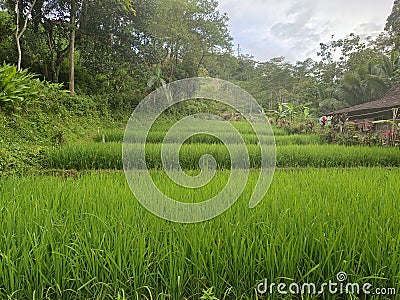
(73, 70)
(122, 49)
(36, 115)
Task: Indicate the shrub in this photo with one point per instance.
(16, 86)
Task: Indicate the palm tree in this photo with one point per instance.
(390, 67)
(363, 85)
(157, 81)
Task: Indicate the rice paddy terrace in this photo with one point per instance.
(75, 231)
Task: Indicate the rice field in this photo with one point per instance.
(157, 137)
(74, 230)
(88, 238)
(109, 156)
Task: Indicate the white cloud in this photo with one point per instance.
(270, 28)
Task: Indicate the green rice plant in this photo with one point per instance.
(109, 156)
(158, 131)
(242, 127)
(156, 137)
(298, 139)
(88, 238)
(323, 156)
(85, 156)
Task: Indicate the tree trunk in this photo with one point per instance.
(19, 54)
(17, 36)
(57, 56)
(72, 51)
(53, 57)
(19, 32)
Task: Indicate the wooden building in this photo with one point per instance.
(386, 108)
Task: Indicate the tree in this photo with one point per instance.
(72, 49)
(362, 85)
(19, 31)
(390, 67)
(183, 33)
(53, 23)
(106, 36)
(7, 39)
(392, 25)
(305, 92)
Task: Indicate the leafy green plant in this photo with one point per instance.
(16, 85)
(6, 160)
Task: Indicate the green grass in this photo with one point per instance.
(158, 131)
(243, 127)
(88, 238)
(156, 137)
(109, 156)
(84, 235)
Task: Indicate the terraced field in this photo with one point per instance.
(76, 231)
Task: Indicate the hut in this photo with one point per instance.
(365, 117)
(386, 108)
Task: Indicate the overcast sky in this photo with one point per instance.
(294, 28)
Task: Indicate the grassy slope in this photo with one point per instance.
(26, 134)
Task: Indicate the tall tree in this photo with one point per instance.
(106, 35)
(53, 22)
(72, 48)
(20, 8)
(183, 33)
(393, 24)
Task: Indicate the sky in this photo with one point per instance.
(294, 28)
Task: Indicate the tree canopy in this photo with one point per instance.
(115, 47)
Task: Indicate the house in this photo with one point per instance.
(386, 108)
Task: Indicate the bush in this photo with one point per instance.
(16, 86)
(38, 114)
(6, 160)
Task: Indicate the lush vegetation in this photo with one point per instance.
(71, 73)
(109, 64)
(155, 137)
(88, 238)
(109, 156)
(122, 49)
(37, 115)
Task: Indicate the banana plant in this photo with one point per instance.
(281, 113)
(290, 110)
(157, 81)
